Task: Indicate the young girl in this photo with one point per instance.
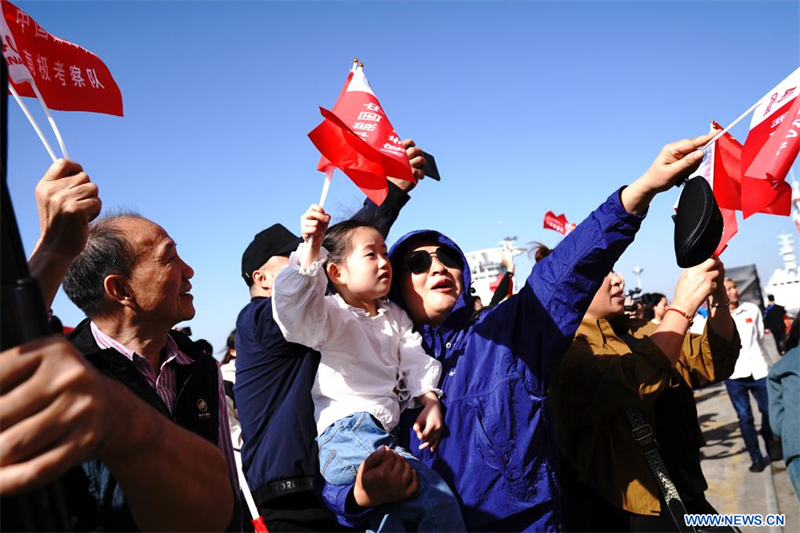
(372, 366)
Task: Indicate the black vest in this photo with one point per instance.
(95, 498)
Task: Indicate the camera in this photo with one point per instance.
(635, 303)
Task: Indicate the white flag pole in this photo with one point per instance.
(326, 185)
(735, 122)
(248, 496)
(33, 122)
(51, 120)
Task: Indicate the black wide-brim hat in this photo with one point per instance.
(698, 223)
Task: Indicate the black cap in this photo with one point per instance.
(275, 240)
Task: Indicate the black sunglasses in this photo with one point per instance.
(420, 261)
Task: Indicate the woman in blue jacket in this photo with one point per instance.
(498, 453)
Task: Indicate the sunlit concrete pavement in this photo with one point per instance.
(732, 488)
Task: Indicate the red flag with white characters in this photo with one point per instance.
(770, 149)
(69, 77)
(557, 223)
(357, 137)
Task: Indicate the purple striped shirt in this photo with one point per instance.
(163, 382)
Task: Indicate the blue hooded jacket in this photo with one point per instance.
(498, 452)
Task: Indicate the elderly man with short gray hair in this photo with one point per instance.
(159, 458)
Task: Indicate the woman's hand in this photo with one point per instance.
(696, 284)
(674, 163)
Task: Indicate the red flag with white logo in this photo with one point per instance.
(770, 149)
(357, 137)
(557, 223)
(69, 77)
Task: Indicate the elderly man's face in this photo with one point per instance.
(429, 296)
(159, 279)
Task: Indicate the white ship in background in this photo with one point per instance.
(487, 267)
(784, 283)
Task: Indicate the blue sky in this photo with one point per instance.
(527, 106)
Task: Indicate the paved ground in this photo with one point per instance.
(732, 487)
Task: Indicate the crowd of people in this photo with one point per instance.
(366, 387)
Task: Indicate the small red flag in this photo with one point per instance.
(726, 179)
(729, 228)
(357, 138)
(69, 77)
(557, 223)
(770, 149)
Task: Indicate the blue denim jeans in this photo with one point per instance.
(345, 444)
(739, 391)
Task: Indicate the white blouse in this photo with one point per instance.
(369, 364)
(751, 361)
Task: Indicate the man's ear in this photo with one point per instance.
(117, 290)
(262, 280)
(336, 274)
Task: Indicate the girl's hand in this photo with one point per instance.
(314, 223)
(430, 423)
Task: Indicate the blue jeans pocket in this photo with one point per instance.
(346, 443)
(337, 471)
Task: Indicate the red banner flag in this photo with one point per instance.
(69, 77)
(770, 149)
(726, 175)
(358, 138)
(557, 223)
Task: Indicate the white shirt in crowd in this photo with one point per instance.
(750, 326)
(229, 374)
(369, 364)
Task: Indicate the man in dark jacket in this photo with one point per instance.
(134, 287)
(773, 321)
(498, 454)
(147, 433)
(274, 380)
